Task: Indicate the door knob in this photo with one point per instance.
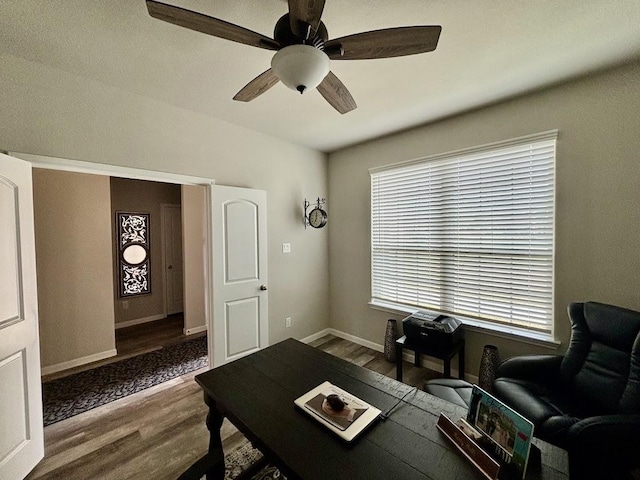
(263, 287)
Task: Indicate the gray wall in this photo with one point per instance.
(597, 250)
(194, 246)
(49, 112)
(72, 218)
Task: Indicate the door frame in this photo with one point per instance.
(77, 166)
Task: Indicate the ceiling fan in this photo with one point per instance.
(303, 47)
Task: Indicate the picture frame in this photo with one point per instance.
(133, 254)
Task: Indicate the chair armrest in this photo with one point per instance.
(533, 368)
(601, 430)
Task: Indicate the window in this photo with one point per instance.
(469, 233)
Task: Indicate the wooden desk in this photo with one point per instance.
(256, 394)
(445, 354)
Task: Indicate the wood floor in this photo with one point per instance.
(150, 336)
(158, 433)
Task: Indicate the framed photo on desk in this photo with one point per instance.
(509, 432)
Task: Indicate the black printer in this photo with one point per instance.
(433, 329)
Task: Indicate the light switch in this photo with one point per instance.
(286, 248)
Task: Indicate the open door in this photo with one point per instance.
(240, 310)
(21, 426)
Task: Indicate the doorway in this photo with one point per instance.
(206, 240)
(76, 339)
(148, 294)
(79, 213)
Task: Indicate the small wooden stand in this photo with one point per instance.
(469, 448)
(444, 353)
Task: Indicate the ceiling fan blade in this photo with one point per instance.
(334, 92)
(305, 12)
(257, 86)
(389, 42)
(209, 25)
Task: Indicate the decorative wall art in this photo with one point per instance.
(133, 254)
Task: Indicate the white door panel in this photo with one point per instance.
(10, 286)
(21, 428)
(243, 333)
(15, 403)
(241, 239)
(240, 314)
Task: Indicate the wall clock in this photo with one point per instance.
(317, 217)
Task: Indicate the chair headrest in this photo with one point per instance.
(614, 326)
(602, 364)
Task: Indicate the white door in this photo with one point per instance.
(172, 257)
(240, 311)
(21, 430)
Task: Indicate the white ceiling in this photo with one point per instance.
(488, 50)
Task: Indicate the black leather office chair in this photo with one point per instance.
(586, 401)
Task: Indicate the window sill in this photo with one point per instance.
(474, 325)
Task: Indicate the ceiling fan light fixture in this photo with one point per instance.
(300, 67)
(303, 63)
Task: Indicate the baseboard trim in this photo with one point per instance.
(346, 336)
(360, 341)
(138, 321)
(78, 362)
(194, 330)
(315, 336)
(436, 366)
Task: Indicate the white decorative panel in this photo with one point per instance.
(133, 254)
(242, 322)
(241, 241)
(10, 273)
(14, 401)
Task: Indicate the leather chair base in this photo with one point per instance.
(450, 389)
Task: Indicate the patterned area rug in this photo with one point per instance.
(242, 458)
(77, 393)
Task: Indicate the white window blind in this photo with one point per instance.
(469, 233)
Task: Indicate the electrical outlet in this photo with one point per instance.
(287, 322)
(125, 304)
(286, 248)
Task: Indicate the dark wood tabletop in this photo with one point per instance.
(256, 393)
